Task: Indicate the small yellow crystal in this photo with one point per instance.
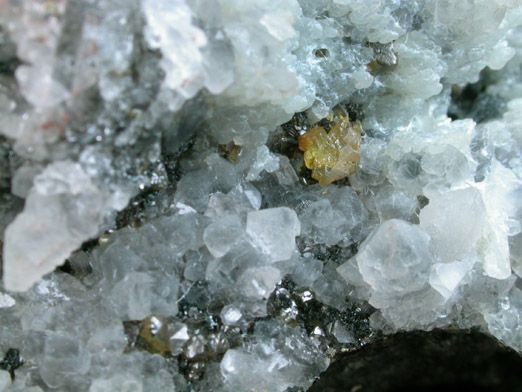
(334, 155)
(154, 334)
(104, 239)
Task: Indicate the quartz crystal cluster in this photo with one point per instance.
(183, 208)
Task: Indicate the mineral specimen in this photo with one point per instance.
(161, 225)
(334, 155)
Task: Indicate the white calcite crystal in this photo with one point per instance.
(277, 366)
(394, 264)
(124, 383)
(160, 231)
(5, 381)
(456, 232)
(6, 301)
(445, 277)
(182, 59)
(395, 253)
(63, 209)
(273, 231)
(220, 236)
(258, 283)
(230, 315)
(63, 356)
(499, 192)
(178, 338)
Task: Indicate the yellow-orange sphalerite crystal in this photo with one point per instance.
(334, 155)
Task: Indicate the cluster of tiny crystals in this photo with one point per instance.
(226, 195)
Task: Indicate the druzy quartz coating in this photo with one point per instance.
(229, 195)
